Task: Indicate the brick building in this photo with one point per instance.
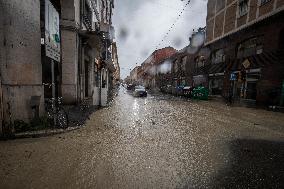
(148, 74)
(179, 70)
(245, 39)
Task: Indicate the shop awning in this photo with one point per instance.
(217, 68)
(259, 61)
(211, 69)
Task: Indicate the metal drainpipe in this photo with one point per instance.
(79, 70)
(100, 82)
(106, 73)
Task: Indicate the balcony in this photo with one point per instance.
(107, 31)
(87, 19)
(107, 55)
(109, 65)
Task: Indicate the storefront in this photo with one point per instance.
(199, 80)
(244, 82)
(259, 79)
(216, 83)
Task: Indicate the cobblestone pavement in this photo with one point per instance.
(154, 142)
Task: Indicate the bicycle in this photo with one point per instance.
(56, 114)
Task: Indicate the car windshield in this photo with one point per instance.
(140, 87)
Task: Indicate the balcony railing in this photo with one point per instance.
(87, 19)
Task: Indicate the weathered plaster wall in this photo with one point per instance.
(21, 68)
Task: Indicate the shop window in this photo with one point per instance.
(249, 47)
(216, 86)
(243, 7)
(218, 56)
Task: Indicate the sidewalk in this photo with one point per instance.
(44, 133)
(77, 116)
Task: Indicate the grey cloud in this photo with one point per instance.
(142, 24)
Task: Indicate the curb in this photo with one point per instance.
(44, 133)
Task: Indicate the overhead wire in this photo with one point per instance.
(172, 26)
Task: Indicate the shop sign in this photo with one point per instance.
(52, 36)
(246, 63)
(233, 77)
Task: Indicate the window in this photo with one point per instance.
(184, 63)
(249, 47)
(183, 83)
(262, 2)
(176, 66)
(243, 7)
(220, 5)
(218, 56)
(97, 77)
(200, 61)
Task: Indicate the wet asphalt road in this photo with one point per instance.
(154, 142)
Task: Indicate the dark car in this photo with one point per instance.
(140, 91)
(130, 87)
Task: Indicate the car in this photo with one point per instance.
(140, 91)
(130, 87)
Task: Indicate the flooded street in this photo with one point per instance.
(154, 142)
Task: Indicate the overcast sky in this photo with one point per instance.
(142, 24)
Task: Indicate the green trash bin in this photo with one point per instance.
(200, 93)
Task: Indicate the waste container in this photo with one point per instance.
(200, 93)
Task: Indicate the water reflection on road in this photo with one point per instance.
(155, 142)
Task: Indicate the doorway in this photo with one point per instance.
(86, 78)
(251, 90)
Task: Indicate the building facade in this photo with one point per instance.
(178, 70)
(148, 73)
(87, 41)
(70, 41)
(20, 61)
(245, 38)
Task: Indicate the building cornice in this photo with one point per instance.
(246, 25)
